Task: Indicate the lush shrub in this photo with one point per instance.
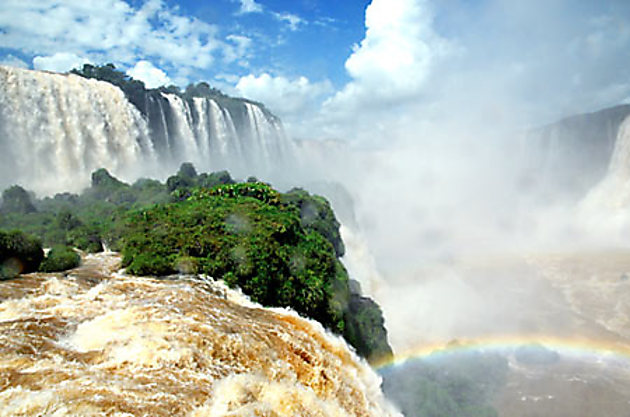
(316, 214)
(60, 258)
(19, 253)
(243, 234)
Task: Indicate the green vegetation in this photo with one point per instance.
(281, 249)
(17, 200)
(19, 253)
(365, 328)
(453, 384)
(242, 233)
(60, 258)
(316, 215)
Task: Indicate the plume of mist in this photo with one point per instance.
(441, 170)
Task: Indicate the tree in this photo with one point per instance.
(17, 200)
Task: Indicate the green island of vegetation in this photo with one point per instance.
(281, 249)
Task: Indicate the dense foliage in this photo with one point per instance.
(19, 253)
(60, 258)
(243, 234)
(316, 215)
(454, 385)
(17, 200)
(281, 249)
(365, 328)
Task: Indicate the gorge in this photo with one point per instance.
(492, 269)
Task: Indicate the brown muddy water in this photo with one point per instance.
(93, 342)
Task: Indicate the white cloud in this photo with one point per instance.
(239, 47)
(13, 61)
(59, 62)
(291, 99)
(396, 56)
(391, 65)
(250, 6)
(294, 21)
(112, 30)
(152, 76)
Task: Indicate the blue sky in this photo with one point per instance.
(348, 69)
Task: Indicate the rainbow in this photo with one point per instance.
(574, 348)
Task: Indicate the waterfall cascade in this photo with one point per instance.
(56, 129)
(613, 192)
(567, 158)
(97, 343)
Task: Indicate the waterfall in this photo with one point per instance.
(183, 128)
(56, 129)
(606, 207)
(613, 191)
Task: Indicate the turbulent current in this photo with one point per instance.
(55, 129)
(98, 343)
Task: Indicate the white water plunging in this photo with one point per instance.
(56, 129)
(605, 209)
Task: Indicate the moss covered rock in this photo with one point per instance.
(60, 258)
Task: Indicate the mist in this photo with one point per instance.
(437, 150)
(477, 154)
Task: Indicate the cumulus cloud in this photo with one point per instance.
(494, 63)
(292, 99)
(250, 6)
(152, 76)
(113, 30)
(59, 62)
(398, 48)
(391, 65)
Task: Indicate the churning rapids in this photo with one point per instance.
(98, 343)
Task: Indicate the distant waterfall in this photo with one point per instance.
(613, 191)
(606, 208)
(56, 129)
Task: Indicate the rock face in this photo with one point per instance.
(97, 343)
(567, 158)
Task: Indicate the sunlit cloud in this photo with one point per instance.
(59, 62)
(151, 76)
(114, 31)
(291, 99)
